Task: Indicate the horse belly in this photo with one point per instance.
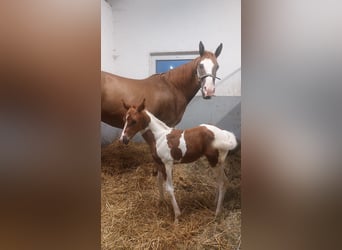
(115, 120)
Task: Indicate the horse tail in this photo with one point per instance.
(234, 144)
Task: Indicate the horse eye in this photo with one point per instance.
(133, 122)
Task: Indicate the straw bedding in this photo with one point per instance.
(132, 217)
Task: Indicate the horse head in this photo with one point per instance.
(206, 70)
(135, 120)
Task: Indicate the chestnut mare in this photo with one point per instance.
(167, 94)
(169, 146)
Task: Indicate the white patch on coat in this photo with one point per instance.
(182, 144)
(160, 130)
(224, 140)
(208, 65)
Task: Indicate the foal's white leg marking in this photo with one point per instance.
(222, 180)
(182, 144)
(170, 190)
(160, 185)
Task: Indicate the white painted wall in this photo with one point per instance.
(107, 37)
(230, 85)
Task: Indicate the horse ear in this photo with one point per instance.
(201, 48)
(218, 50)
(141, 106)
(125, 105)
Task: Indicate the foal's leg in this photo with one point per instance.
(170, 190)
(218, 174)
(160, 185)
(222, 181)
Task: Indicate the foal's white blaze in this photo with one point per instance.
(209, 86)
(123, 130)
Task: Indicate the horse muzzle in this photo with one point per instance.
(124, 139)
(208, 86)
(207, 93)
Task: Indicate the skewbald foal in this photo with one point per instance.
(169, 146)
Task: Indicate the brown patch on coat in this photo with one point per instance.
(199, 142)
(173, 143)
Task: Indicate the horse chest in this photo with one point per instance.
(172, 146)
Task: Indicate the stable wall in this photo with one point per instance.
(133, 29)
(107, 37)
(142, 27)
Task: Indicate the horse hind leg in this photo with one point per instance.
(224, 176)
(222, 182)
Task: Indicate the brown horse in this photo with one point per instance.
(167, 94)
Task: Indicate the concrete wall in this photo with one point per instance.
(133, 29)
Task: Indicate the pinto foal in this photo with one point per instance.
(169, 146)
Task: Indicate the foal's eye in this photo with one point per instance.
(133, 122)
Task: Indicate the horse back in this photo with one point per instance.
(161, 99)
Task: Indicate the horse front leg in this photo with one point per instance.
(161, 176)
(170, 190)
(161, 186)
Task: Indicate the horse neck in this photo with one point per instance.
(184, 78)
(157, 127)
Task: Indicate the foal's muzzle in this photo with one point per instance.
(124, 139)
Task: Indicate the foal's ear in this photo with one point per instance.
(201, 48)
(141, 106)
(125, 105)
(218, 50)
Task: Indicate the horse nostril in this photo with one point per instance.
(125, 140)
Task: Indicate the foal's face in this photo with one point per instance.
(132, 125)
(135, 120)
(206, 70)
